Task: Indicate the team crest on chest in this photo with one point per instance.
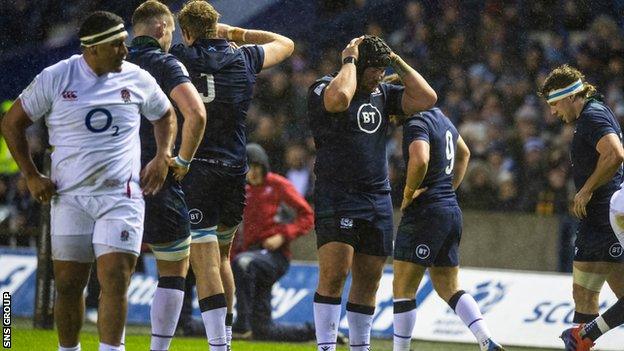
(368, 118)
(125, 95)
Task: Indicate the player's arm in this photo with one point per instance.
(418, 94)
(187, 99)
(14, 125)
(417, 166)
(462, 156)
(276, 47)
(339, 92)
(154, 174)
(611, 156)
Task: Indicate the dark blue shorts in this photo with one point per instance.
(166, 215)
(430, 236)
(362, 220)
(214, 196)
(597, 243)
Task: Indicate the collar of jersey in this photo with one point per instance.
(145, 41)
(219, 43)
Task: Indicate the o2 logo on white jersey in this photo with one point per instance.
(616, 250)
(100, 120)
(195, 216)
(368, 118)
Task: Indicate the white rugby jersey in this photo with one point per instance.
(93, 124)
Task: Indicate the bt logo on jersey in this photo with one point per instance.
(368, 118)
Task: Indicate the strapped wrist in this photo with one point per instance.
(182, 162)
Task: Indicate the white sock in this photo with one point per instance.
(75, 348)
(404, 321)
(213, 313)
(360, 318)
(228, 335)
(122, 345)
(326, 320)
(106, 347)
(164, 316)
(468, 311)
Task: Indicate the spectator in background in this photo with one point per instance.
(264, 255)
(298, 170)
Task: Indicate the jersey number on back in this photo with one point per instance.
(450, 152)
(209, 94)
(96, 123)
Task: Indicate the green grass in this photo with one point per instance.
(24, 338)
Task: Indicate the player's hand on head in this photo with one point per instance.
(154, 174)
(41, 188)
(352, 48)
(222, 30)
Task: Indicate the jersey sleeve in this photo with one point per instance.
(394, 96)
(417, 129)
(38, 96)
(174, 74)
(315, 97)
(254, 56)
(156, 102)
(598, 125)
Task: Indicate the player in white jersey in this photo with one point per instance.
(92, 105)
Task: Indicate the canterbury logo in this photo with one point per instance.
(69, 95)
(325, 348)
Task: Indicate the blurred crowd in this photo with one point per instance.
(485, 59)
(486, 70)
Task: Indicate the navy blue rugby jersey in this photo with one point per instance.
(436, 129)
(146, 52)
(351, 145)
(596, 120)
(225, 77)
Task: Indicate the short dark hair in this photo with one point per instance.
(148, 10)
(97, 22)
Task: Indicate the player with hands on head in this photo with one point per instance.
(349, 113)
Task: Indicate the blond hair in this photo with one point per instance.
(149, 10)
(199, 19)
(563, 76)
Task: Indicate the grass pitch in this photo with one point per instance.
(25, 338)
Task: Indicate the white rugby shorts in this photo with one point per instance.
(78, 222)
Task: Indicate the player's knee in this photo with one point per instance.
(114, 280)
(69, 286)
(587, 283)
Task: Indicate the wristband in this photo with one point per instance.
(236, 34)
(349, 59)
(182, 162)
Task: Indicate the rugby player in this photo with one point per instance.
(436, 158)
(215, 186)
(167, 227)
(596, 156)
(348, 113)
(92, 104)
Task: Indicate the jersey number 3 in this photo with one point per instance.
(209, 94)
(450, 152)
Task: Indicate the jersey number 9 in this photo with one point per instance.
(450, 152)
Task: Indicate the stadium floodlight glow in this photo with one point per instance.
(563, 93)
